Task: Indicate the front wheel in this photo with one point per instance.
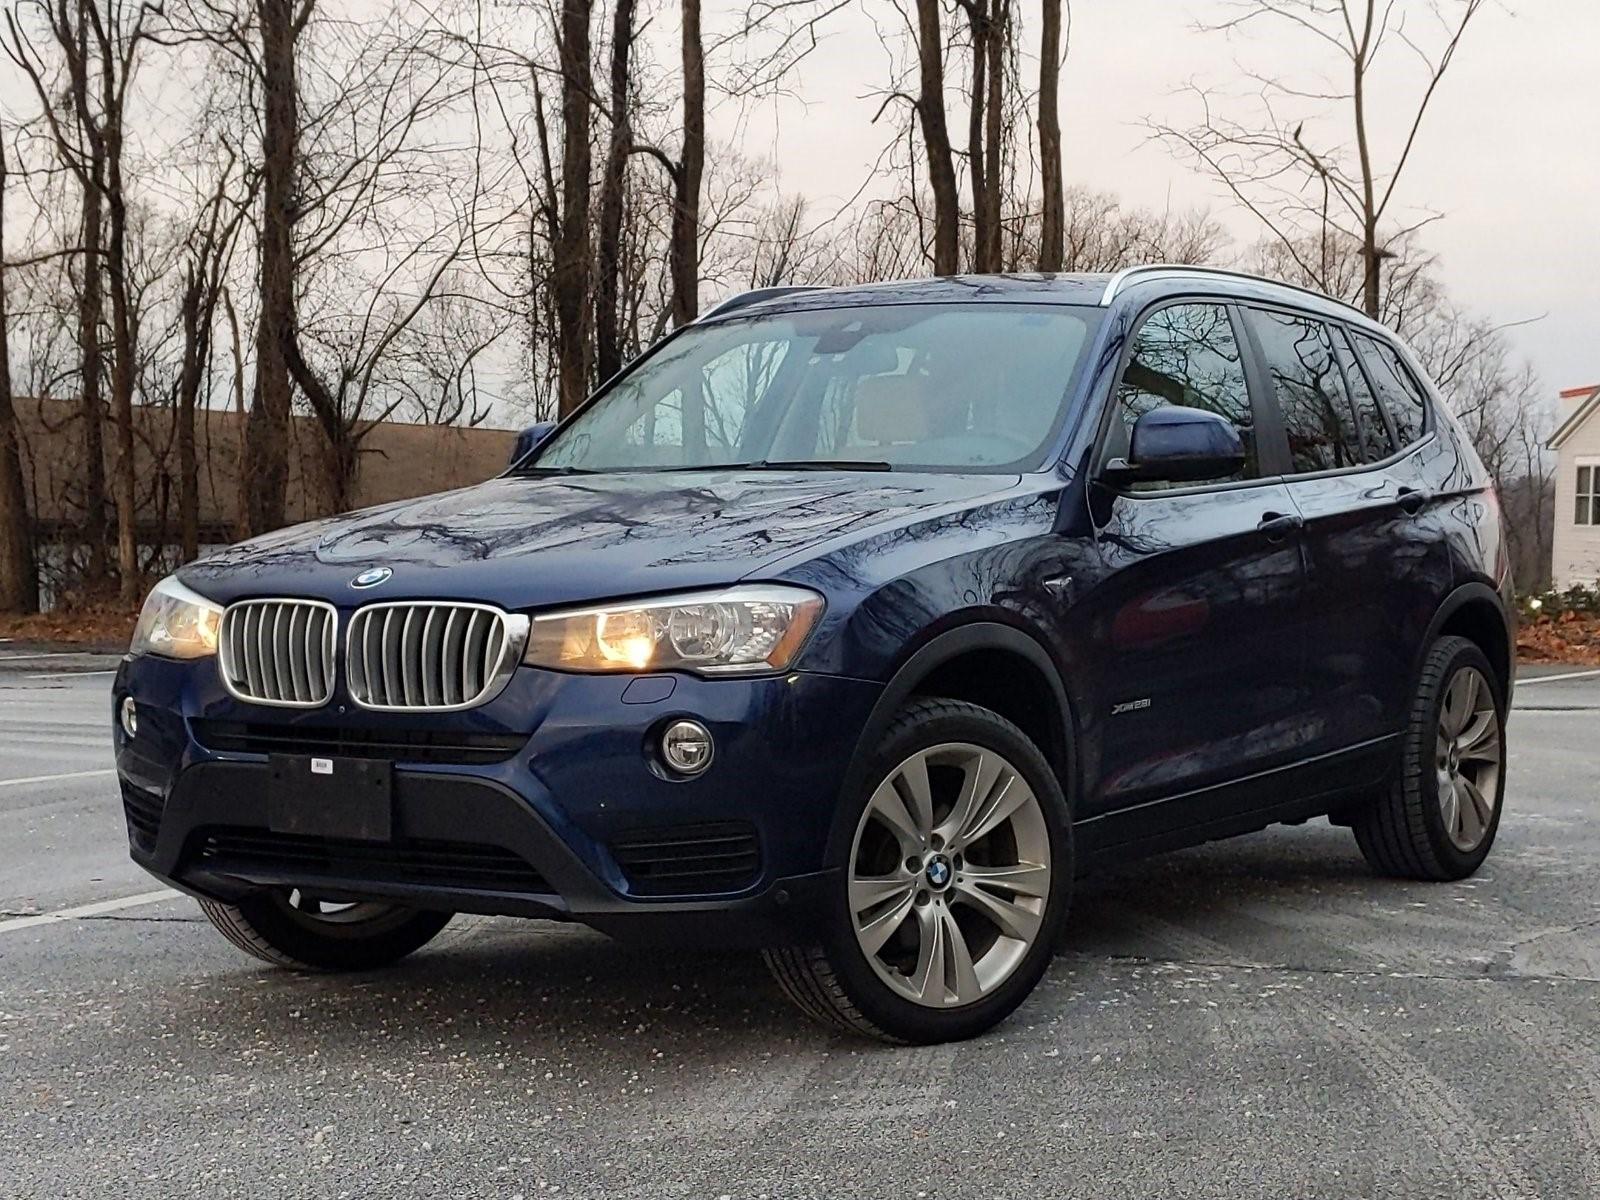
(1439, 817)
(955, 888)
(289, 927)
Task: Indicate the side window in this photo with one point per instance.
(1185, 355)
(1586, 510)
(1396, 388)
(1309, 387)
(1376, 441)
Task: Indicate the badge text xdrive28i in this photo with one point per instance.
(853, 625)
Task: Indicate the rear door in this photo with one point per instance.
(1371, 561)
(1196, 614)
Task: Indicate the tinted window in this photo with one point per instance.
(1398, 391)
(1376, 442)
(1309, 387)
(1185, 355)
(979, 387)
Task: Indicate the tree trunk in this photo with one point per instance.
(196, 348)
(608, 353)
(91, 174)
(686, 211)
(936, 138)
(1052, 229)
(572, 269)
(241, 498)
(977, 161)
(19, 574)
(123, 350)
(266, 458)
(999, 33)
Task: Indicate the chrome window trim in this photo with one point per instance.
(224, 659)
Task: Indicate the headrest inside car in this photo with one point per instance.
(890, 408)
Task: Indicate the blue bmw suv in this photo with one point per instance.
(852, 625)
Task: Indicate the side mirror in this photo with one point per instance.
(528, 440)
(1173, 444)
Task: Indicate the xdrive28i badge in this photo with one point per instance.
(371, 577)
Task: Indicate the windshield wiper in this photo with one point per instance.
(823, 464)
(549, 472)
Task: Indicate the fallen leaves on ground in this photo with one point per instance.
(1568, 638)
(99, 628)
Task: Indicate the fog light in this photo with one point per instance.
(686, 747)
(130, 717)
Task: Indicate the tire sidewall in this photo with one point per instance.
(1420, 776)
(343, 949)
(894, 1015)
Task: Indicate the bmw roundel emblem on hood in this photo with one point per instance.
(371, 577)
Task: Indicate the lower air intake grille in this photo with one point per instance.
(143, 811)
(690, 860)
(308, 859)
(402, 745)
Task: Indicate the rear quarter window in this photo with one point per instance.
(1400, 393)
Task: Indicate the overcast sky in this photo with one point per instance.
(1511, 150)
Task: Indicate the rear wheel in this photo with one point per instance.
(955, 887)
(1438, 819)
(289, 927)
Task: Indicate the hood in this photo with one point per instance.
(534, 542)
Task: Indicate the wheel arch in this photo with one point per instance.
(963, 664)
(1476, 612)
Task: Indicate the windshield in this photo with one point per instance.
(975, 387)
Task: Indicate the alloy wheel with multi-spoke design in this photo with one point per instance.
(949, 874)
(1467, 758)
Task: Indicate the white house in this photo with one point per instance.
(1575, 548)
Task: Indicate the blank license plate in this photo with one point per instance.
(331, 797)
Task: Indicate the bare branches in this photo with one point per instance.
(1299, 183)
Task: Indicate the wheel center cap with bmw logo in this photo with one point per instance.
(372, 577)
(938, 872)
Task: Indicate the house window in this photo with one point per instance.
(1587, 507)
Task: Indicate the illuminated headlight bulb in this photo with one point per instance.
(686, 747)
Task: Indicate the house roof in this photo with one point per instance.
(1588, 399)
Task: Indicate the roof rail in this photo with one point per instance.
(1118, 281)
(755, 296)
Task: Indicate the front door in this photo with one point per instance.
(1197, 615)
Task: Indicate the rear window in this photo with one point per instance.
(1309, 387)
(1400, 393)
(1376, 441)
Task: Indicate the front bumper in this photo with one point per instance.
(545, 803)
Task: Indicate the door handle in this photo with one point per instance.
(1278, 526)
(1412, 500)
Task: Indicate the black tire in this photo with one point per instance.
(267, 927)
(831, 980)
(1402, 832)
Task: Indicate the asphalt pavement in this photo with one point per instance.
(1259, 1017)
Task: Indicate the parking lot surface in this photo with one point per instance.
(1260, 1017)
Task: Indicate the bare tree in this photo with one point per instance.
(608, 257)
(1297, 184)
(266, 458)
(936, 139)
(571, 265)
(19, 573)
(207, 254)
(65, 109)
(1053, 218)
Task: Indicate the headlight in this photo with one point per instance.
(176, 623)
(740, 631)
